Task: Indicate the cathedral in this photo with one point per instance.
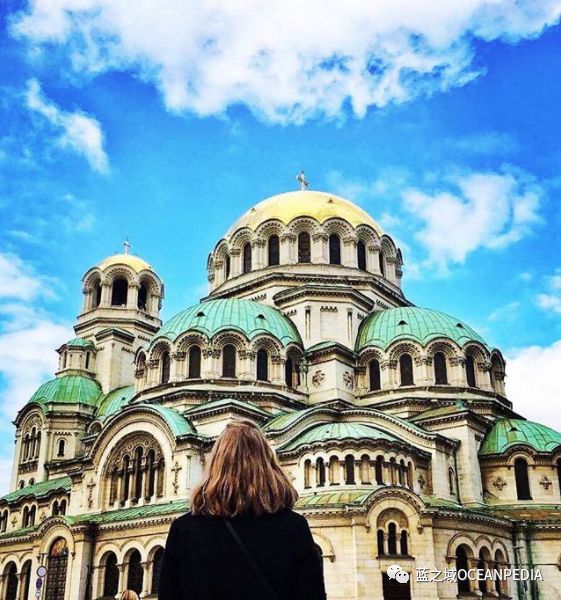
(392, 421)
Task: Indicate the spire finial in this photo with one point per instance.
(302, 179)
(127, 245)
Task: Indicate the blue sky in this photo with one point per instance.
(166, 126)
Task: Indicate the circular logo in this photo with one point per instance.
(41, 571)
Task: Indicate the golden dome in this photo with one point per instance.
(318, 205)
(134, 262)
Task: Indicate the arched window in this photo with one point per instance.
(227, 264)
(119, 292)
(501, 585)
(374, 375)
(55, 508)
(392, 538)
(470, 372)
(126, 477)
(97, 295)
(365, 469)
(57, 565)
(379, 470)
(451, 481)
(361, 255)
(64, 360)
(142, 297)
(349, 469)
(304, 247)
(401, 472)
(262, 365)
(334, 470)
(62, 507)
(334, 249)
(156, 569)
(4, 521)
(307, 473)
(247, 257)
(481, 564)
(288, 372)
(37, 444)
(382, 262)
(151, 469)
(87, 365)
(138, 473)
(26, 579)
(110, 576)
(522, 479)
(380, 540)
(25, 448)
(229, 361)
(164, 367)
(273, 253)
(61, 448)
(320, 470)
(403, 543)
(194, 362)
(462, 564)
(11, 582)
(440, 373)
(135, 575)
(406, 369)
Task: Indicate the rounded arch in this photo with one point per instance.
(324, 543)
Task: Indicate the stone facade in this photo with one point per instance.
(392, 421)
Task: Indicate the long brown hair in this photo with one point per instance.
(244, 476)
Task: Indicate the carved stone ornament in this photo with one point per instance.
(421, 481)
(348, 379)
(545, 481)
(499, 483)
(318, 378)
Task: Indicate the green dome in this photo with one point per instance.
(68, 389)
(506, 433)
(79, 342)
(383, 328)
(246, 316)
(114, 401)
(335, 432)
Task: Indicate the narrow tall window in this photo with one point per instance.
(451, 481)
(403, 543)
(61, 448)
(406, 369)
(126, 478)
(440, 373)
(151, 469)
(87, 365)
(111, 576)
(361, 255)
(97, 295)
(229, 361)
(522, 479)
(119, 292)
(307, 473)
(138, 473)
(262, 365)
(194, 362)
(135, 575)
(288, 369)
(334, 249)
(247, 258)
(462, 564)
(273, 250)
(165, 367)
(156, 569)
(349, 469)
(227, 263)
(380, 540)
(379, 470)
(382, 263)
(374, 375)
(470, 372)
(320, 470)
(392, 538)
(142, 297)
(11, 582)
(304, 247)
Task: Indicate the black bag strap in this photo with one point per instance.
(264, 581)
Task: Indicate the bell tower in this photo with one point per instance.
(121, 311)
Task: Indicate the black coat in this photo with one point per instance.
(203, 562)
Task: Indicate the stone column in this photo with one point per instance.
(288, 251)
(247, 365)
(457, 371)
(349, 257)
(132, 296)
(277, 370)
(235, 262)
(146, 580)
(178, 366)
(105, 295)
(423, 372)
(319, 248)
(485, 375)
(373, 260)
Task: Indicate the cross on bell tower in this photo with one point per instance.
(127, 246)
(302, 180)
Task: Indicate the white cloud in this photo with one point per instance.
(78, 131)
(19, 281)
(474, 210)
(288, 61)
(551, 300)
(533, 383)
(487, 142)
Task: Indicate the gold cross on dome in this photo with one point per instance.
(302, 179)
(127, 245)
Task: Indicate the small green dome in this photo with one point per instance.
(114, 401)
(506, 433)
(79, 342)
(383, 328)
(246, 316)
(68, 389)
(326, 432)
